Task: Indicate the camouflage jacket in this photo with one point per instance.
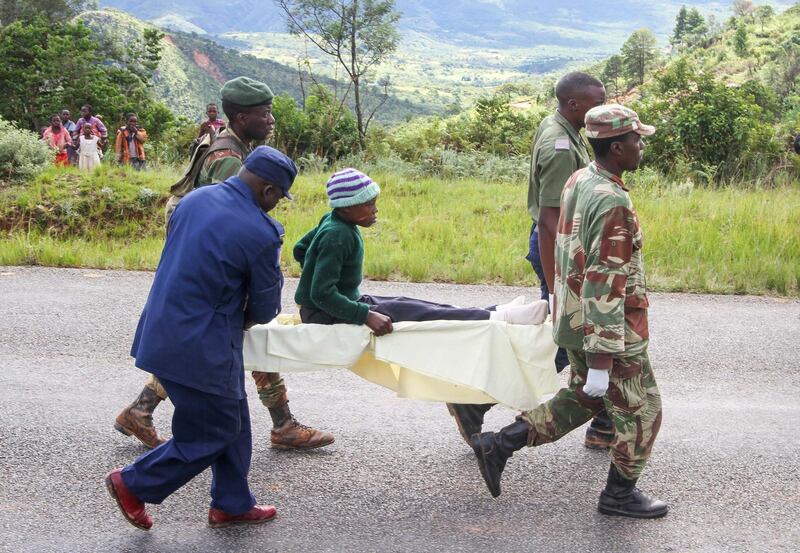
(601, 297)
(221, 164)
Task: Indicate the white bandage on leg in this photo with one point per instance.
(529, 314)
(519, 300)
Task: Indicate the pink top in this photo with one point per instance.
(57, 140)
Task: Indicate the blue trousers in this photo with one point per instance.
(207, 431)
(536, 262)
(401, 309)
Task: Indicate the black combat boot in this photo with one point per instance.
(600, 433)
(493, 449)
(622, 498)
(469, 417)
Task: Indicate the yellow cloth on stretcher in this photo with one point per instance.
(452, 361)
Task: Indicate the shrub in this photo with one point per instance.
(719, 130)
(445, 164)
(492, 129)
(22, 155)
(174, 146)
(323, 127)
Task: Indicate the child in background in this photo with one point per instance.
(58, 138)
(331, 256)
(88, 149)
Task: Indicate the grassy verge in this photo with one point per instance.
(463, 231)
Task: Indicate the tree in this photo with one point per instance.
(764, 13)
(680, 27)
(497, 129)
(323, 127)
(740, 42)
(786, 69)
(696, 28)
(690, 28)
(46, 66)
(612, 73)
(742, 8)
(716, 129)
(52, 10)
(638, 54)
(358, 34)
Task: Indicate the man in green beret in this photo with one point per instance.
(247, 104)
(600, 318)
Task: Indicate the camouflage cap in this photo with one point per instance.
(614, 120)
(246, 92)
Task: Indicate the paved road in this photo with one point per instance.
(398, 477)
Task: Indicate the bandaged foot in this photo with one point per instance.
(519, 300)
(529, 314)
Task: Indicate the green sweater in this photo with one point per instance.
(332, 256)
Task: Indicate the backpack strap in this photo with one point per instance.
(207, 146)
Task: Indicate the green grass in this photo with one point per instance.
(734, 240)
(727, 241)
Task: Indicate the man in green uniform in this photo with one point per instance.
(247, 104)
(558, 151)
(600, 317)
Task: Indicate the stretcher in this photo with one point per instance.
(448, 361)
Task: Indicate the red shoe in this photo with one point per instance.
(256, 515)
(132, 509)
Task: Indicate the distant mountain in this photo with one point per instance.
(602, 26)
(193, 68)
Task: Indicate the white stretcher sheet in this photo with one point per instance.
(452, 361)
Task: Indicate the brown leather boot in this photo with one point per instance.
(287, 433)
(137, 419)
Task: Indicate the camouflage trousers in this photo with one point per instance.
(633, 403)
(270, 386)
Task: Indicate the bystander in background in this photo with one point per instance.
(57, 137)
(129, 146)
(213, 125)
(88, 149)
(87, 118)
(68, 124)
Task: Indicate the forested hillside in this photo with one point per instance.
(490, 23)
(192, 68)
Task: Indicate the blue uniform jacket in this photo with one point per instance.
(220, 266)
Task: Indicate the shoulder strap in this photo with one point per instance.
(206, 147)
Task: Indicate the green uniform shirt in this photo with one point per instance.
(332, 256)
(222, 164)
(558, 151)
(601, 295)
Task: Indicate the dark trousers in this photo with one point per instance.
(207, 431)
(401, 309)
(536, 262)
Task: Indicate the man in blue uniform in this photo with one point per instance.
(219, 273)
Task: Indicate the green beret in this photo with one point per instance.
(246, 92)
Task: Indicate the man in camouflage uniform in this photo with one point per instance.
(601, 319)
(558, 151)
(248, 105)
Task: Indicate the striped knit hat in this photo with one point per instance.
(350, 187)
